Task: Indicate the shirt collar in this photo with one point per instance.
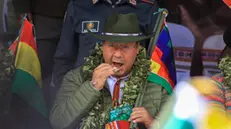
(94, 1)
(122, 78)
(133, 2)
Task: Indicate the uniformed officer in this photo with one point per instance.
(75, 43)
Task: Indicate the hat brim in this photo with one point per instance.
(121, 39)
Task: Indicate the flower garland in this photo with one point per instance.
(225, 67)
(98, 116)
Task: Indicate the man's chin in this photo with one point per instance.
(119, 74)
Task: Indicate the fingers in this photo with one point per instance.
(116, 70)
(141, 115)
(105, 73)
(137, 113)
(104, 69)
(102, 65)
(137, 117)
(101, 73)
(138, 120)
(138, 109)
(107, 69)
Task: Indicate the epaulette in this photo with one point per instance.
(148, 1)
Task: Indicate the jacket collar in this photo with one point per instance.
(133, 2)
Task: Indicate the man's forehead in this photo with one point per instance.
(120, 43)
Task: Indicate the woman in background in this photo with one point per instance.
(222, 98)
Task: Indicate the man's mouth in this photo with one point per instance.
(117, 64)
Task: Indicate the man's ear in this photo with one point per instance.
(138, 47)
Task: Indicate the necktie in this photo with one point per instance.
(116, 94)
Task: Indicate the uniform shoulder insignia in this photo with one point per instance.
(148, 1)
(133, 2)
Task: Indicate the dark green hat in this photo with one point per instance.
(122, 28)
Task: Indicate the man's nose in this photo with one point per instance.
(117, 53)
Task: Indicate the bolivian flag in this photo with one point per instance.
(228, 3)
(27, 81)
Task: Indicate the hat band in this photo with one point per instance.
(122, 34)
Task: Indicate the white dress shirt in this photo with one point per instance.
(111, 83)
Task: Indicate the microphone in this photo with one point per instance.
(227, 37)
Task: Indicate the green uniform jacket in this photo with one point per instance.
(77, 96)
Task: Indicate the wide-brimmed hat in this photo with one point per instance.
(122, 28)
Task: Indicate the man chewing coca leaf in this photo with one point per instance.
(103, 92)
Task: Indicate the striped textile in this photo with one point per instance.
(118, 125)
(222, 98)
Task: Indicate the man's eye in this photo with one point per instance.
(125, 47)
(110, 45)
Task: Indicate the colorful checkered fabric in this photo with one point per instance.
(222, 98)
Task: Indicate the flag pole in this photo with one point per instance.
(157, 29)
(162, 14)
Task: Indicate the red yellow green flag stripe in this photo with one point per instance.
(228, 3)
(27, 82)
